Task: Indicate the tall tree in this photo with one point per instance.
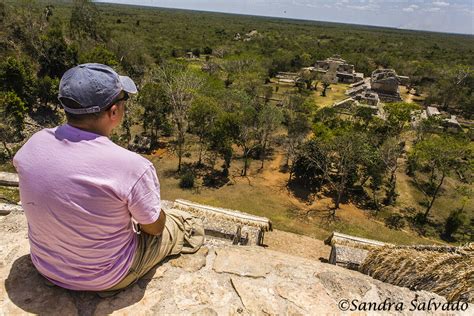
(48, 90)
(398, 116)
(203, 114)
(156, 106)
(453, 90)
(17, 76)
(180, 85)
(56, 56)
(441, 156)
(221, 137)
(336, 160)
(12, 114)
(247, 138)
(297, 120)
(326, 82)
(390, 151)
(269, 119)
(86, 21)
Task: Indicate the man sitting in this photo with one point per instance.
(80, 193)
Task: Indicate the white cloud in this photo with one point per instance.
(433, 9)
(411, 8)
(441, 3)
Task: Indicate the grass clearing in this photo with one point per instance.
(9, 195)
(335, 93)
(265, 193)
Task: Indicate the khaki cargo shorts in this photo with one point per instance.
(183, 233)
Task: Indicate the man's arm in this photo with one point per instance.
(157, 227)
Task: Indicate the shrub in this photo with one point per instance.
(395, 221)
(454, 221)
(419, 219)
(187, 180)
(101, 55)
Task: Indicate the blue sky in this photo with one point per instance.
(454, 16)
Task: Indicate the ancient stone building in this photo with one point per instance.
(385, 82)
(338, 70)
(383, 86)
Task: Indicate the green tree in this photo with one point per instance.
(453, 222)
(3, 13)
(101, 55)
(86, 21)
(326, 82)
(203, 114)
(12, 115)
(48, 90)
(180, 85)
(335, 161)
(56, 56)
(390, 151)
(308, 78)
(297, 112)
(221, 137)
(458, 217)
(247, 138)
(454, 90)
(156, 106)
(441, 156)
(269, 119)
(398, 116)
(17, 76)
(26, 25)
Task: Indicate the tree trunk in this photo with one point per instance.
(392, 187)
(376, 202)
(200, 151)
(7, 149)
(364, 181)
(325, 87)
(435, 194)
(180, 152)
(244, 172)
(179, 162)
(262, 154)
(338, 199)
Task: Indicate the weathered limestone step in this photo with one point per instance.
(349, 251)
(8, 179)
(6, 208)
(242, 228)
(228, 280)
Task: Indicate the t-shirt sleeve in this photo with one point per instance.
(144, 202)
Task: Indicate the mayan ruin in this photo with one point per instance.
(338, 70)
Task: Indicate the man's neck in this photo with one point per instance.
(90, 128)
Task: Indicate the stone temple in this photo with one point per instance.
(338, 70)
(382, 85)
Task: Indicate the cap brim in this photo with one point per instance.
(128, 85)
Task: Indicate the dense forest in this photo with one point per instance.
(208, 94)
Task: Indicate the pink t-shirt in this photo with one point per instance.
(79, 191)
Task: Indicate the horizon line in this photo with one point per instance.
(280, 17)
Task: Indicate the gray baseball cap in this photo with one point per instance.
(93, 87)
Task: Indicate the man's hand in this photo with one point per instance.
(157, 227)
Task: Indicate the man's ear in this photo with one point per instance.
(113, 112)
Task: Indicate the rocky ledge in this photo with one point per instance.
(218, 280)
